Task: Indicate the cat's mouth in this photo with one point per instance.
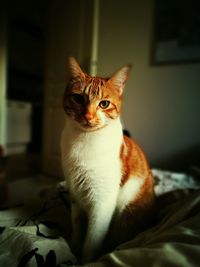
(90, 127)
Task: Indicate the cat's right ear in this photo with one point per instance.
(119, 78)
(75, 71)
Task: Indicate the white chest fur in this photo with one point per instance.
(91, 161)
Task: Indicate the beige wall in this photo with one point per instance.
(161, 103)
(3, 66)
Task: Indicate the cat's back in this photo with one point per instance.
(136, 180)
(136, 195)
(133, 158)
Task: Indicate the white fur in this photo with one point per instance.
(129, 192)
(94, 155)
(92, 168)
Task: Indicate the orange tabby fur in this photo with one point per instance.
(110, 170)
(139, 213)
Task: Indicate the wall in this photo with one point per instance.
(3, 65)
(161, 103)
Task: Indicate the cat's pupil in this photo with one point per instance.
(78, 99)
(104, 104)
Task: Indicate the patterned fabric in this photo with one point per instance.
(35, 233)
(167, 181)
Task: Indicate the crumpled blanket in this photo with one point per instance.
(173, 242)
(34, 234)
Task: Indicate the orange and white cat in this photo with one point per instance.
(109, 180)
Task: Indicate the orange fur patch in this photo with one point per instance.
(134, 162)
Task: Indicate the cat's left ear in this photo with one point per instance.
(75, 70)
(119, 78)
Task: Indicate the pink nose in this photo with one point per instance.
(89, 116)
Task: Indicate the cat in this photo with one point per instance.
(107, 174)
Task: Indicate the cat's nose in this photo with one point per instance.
(89, 116)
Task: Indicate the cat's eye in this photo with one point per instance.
(78, 99)
(104, 104)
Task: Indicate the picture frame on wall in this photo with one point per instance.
(176, 33)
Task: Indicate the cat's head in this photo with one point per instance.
(93, 102)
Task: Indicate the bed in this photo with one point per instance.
(34, 233)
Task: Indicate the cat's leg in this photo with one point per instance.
(78, 228)
(99, 218)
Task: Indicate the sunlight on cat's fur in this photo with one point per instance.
(110, 182)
